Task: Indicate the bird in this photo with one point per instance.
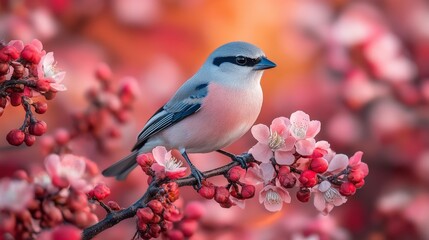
(211, 110)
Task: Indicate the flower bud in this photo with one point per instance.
(20, 175)
(29, 139)
(145, 160)
(3, 102)
(286, 179)
(308, 178)
(113, 205)
(194, 210)
(356, 176)
(207, 190)
(156, 206)
(31, 54)
(221, 194)
(4, 68)
(235, 173)
(103, 72)
(188, 227)
(18, 70)
(360, 184)
(37, 128)
(319, 165)
(175, 235)
(145, 214)
(248, 191)
(101, 191)
(155, 230)
(347, 189)
(43, 85)
(15, 99)
(8, 53)
(303, 194)
(72, 233)
(49, 95)
(40, 107)
(15, 137)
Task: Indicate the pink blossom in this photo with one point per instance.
(357, 165)
(274, 141)
(15, 194)
(259, 174)
(273, 197)
(166, 164)
(304, 131)
(67, 170)
(338, 163)
(327, 197)
(47, 70)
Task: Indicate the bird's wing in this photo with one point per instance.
(187, 101)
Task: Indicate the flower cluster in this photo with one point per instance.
(27, 71)
(288, 156)
(108, 106)
(44, 202)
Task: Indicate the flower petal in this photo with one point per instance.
(37, 43)
(284, 157)
(261, 152)
(159, 153)
(313, 129)
(261, 133)
(324, 186)
(268, 172)
(338, 163)
(273, 206)
(289, 144)
(74, 164)
(59, 77)
(319, 201)
(254, 176)
(176, 173)
(355, 159)
(52, 164)
(299, 121)
(280, 126)
(305, 147)
(58, 87)
(48, 60)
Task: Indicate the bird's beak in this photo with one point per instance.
(264, 64)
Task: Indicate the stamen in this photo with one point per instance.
(273, 197)
(331, 194)
(173, 164)
(275, 141)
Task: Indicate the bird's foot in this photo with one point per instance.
(198, 175)
(241, 159)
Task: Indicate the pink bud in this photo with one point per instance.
(62, 136)
(40, 107)
(145, 160)
(356, 176)
(155, 230)
(113, 205)
(15, 99)
(308, 178)
(4, 68)
(43, 85)
(103, 72)
(145, 214)
(38, 128)
(221, 195)
(29, 139)
(49, 95)
(194, 210)
(303, 194)
(101, 191)
(188, 227)
(175, 235)
(18, 70)
(207, 190)
(347, 189)
(3, 102)
(248, 191)
(20, 175)
(66, 232)
(235, 173)
(360, 184)
(286, 178)
(15, 137)
(156, 206)
(8, 53)
(31, 54)
(319, 165)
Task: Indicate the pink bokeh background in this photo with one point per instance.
(360, 67)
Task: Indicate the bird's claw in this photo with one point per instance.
(241, 159)
(198, 175)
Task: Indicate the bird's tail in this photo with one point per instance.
(122, 168)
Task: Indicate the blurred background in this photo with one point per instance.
(360, 67)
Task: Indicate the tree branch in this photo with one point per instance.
(116, 217)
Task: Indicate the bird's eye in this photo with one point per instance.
(240, 60)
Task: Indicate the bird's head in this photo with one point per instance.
(238, 61)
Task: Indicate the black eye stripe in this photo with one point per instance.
(249, 62)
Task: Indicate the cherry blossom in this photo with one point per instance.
(276, 139)
(259, 174)
(67, 170)
(15, 194)
(166, 164)
(273, 197)
(338, 163)
(47, 70)
(304, 131)
(327, 197)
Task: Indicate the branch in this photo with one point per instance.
(116, 217)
